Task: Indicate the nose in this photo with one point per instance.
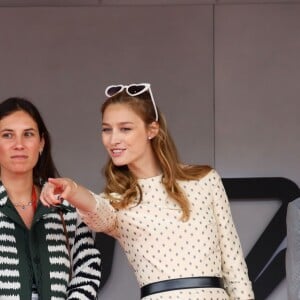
(115, 138)
(19, 142)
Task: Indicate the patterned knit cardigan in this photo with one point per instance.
(40, 255)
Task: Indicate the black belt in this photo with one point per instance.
(181, 283)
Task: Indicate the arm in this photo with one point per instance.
(86, 275)
(58, 189)
(234, 268)
(95, 210)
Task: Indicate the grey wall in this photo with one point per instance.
(257, 104)
(225, 76)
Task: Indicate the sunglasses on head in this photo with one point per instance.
(132, 90)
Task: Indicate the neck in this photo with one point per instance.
(150, 171)
(17, 185)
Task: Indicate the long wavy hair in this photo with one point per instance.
(120, 181)
(45, 167)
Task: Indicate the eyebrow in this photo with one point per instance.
(121, 123)
(6, 129)
(29, 129)
(11, 130)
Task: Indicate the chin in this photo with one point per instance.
(118, 163)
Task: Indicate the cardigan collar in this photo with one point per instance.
(9, 210)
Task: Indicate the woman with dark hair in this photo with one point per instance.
(45, 253)
(173, 220)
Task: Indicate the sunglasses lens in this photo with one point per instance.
(112, 90)
(136, 89)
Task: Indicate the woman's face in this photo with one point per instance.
(20, 143)
(126, 137)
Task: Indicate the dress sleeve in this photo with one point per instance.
(103, 218)
(234, 268)
(86, 272)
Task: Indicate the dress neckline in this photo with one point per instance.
(152, 178)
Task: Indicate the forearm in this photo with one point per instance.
(82, 199)
(103, 218)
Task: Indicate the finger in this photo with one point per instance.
(48, 196)
(66, 190)
(63, 186)
(58, 183)
(44, 200)
(43, 197)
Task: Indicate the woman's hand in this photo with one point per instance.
(58, 189)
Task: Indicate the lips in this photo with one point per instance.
(117, 152)
(17, 157)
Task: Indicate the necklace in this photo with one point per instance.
(32, 202)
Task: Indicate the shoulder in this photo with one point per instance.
(210, 180)
(213, 180)
(212, 175)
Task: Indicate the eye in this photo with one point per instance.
(125, 129)
(106, 129)
(29, 133)
(7, 135)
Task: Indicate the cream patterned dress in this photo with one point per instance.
(159, 246)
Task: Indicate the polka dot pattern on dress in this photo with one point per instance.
(159, 246)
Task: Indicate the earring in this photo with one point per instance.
(149, 137)
(40, 152)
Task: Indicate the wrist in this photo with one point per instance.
(73, 187)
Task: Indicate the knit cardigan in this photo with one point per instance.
(39, 255)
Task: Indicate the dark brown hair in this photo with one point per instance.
(45, 167)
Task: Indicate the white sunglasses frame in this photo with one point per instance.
(147, 87)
